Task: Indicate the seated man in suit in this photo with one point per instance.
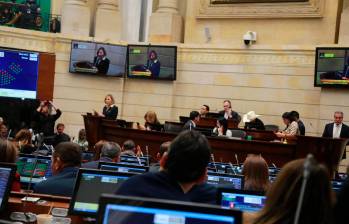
(66, 160)
(110, 152)
(228, 113)
(60, 136)
(337, 129)
(128, 148)
(183, 176)
(155, 167)
(204, 110)
(194, 118)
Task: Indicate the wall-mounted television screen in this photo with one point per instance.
(152, 62)
(99, 59)
(332, 67)
(18, 73)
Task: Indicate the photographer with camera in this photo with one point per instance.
(44, 119)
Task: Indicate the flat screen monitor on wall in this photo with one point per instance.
(18, 73)
(99, 59)
(152, 62)
(332, 67)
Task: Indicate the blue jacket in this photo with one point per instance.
(94, 164)
(61, 184)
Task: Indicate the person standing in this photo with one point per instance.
(337, 129)
(45, 120)
(110, 110)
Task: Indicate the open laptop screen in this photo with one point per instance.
(89, 185)
(7, 172)
(125, 210)
(124, 168)
(247, 201)
(226, 180)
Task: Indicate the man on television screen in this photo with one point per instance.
(101, 62)
(153, 64)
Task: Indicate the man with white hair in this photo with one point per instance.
(110, 152)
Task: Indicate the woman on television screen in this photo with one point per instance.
(153, 64)
(101, 62)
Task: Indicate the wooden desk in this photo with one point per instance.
(16, 205)
(325, 150)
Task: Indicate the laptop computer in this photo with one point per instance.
(89, 185)
(124, 210)
(37, 167)
(7, 173)
(226, 180)
(246, 201)
(125, 168)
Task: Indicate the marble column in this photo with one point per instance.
(108, 20)
(166, 25)
(343, 37)
(76, 17)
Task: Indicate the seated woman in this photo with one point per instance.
(24, 141)
(151, 122)
(110, 111)
(8, 154)
(256, 174)
(283, 196)
(221, 128)
(291, 129)
(81, 140)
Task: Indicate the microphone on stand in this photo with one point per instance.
(232, 168)
(8, 135)
(273, 164)
(147, 154)
(306, 173)
(214, 162)
(236, 159)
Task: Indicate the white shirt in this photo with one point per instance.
(337, 128)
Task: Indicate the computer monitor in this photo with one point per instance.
(219, 167)
(226, 180)
(37, 167)
(246, 201)
(134, 160)
(337, 185)
(125, 210)
(124, 168)
(7, 172)
(83, 201)
(234, 169)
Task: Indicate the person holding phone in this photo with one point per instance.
(45, 119)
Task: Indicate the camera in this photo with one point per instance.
(249, 37)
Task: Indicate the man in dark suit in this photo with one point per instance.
(337, 129)
(194, 118)
(60, 136)
(66, 161)
(228, 113)
(110, 152)
(182, 176)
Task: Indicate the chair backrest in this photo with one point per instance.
(271, 127)
(238, 134)
(173, 127)
(183, 119)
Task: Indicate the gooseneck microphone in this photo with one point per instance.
(236, 159)
(214, 162)
(306, 173)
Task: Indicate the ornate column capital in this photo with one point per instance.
(168, 6)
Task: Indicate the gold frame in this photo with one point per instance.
(309, 9)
